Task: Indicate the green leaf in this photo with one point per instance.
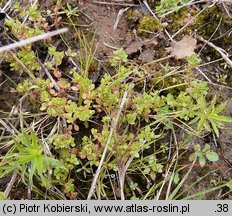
(39, 164)
(220, 108)
(32, 172)
(192, 157)
(2, 196)
(212, 156)
(206, 148)
(176, 178)
(224, 118)
(25, 140)
(202, 161)
(25, 158)
(119, 56)
(34, 139)
(18, 146)
(215, 129)
(131, 117)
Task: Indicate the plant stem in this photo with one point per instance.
(114, 125)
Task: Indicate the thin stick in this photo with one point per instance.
(4, 124)
(32, 39)
(120, 13)
(114, 125)
(218, 49)
(166, 177)
(6, 5)
(115, 3)
(122, 174)
(182, 181)
(49, 75)
(11, 113)
(11, 183)
(21, 64)
(203, 74)
(192, 2)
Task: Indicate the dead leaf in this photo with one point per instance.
(74, 151)
(183, 48)
(57, 73)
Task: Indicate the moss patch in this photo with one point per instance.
(148, 24)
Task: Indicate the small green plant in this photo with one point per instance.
(152, 107)
(57, 56)
(209, 118)
(71, 11)
(203, 154)
(33, 13)
(29, 158)
(134, 122)
(119, 57)
(193, 60)
(166, 5)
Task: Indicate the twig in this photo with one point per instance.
(219, 85)
(8, 4)
(120, 13)
(109, 46)
(11, 113)
(211, 35)
(114, 125)
(182, 181)
(192, 2)
(52, 79)
(218, 49)
(122, 173)
(115, 3)
(49, 75)
(33, 39)
(166, 177)
(21, 64)
(2, 83)
(203, 74)
(6, 126)
(10, 184)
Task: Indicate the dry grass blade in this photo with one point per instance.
(120, 13)
(114, 3)
(10, 184)
(32, 39)
(218, 49)
(114, 125)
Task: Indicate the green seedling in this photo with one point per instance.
(209, 118)
(203, 154)
(28, 156)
